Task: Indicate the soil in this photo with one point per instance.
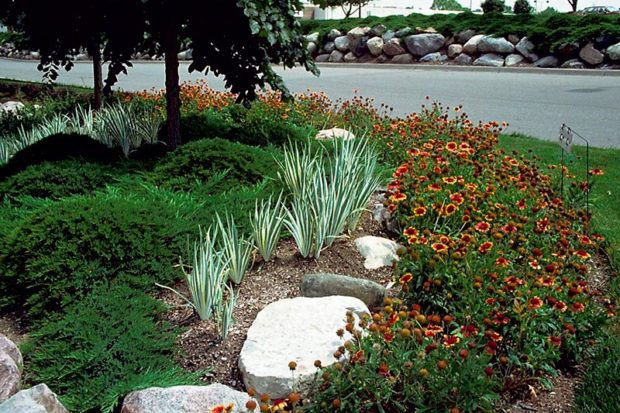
(263, 284)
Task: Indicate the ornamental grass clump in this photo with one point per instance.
(236, 249)
(267, 222)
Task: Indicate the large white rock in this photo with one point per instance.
(514, 59)
(614, 52)
(37, 399)
(375, 46)
(11, 107)
(342, 43)
(334, 133)
(296, 329)
(378, 252)
(489, 44)
(471, 46)
(184, 399)
(454, 50)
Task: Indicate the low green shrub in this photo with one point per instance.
(56, 148)
(105, 346)
(206, 124)
(203, 160)
(56, 180)
(258, 130)
(56, 253)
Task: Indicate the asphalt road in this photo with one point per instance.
(533, 102)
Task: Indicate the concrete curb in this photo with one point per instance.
(456, 68)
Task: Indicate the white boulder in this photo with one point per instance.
(334, 133)
(37, 399)
(378, 252)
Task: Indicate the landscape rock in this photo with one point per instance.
(185, 55)
(297, 329)
(322, 58)
(463, 59)
(367, 58)
(389, 35)
(358, 32)
(12, 107)
(350, 58)
(568, 50)
(471, 46)
(513, 59)
(382, 59)
(454, 50)
(614, 52)
(334, 133)
(333, 34)
(423, 44)
(325, 285)
(342, 43)
(405, 31)
(378, 30)
(8, 347)
(603, 40)
(312, 37)
(489, 44)
(10, 376)
(35, 55)
(358, 45)
(547, 62)
(378, 252)
(526, 48)
(375, 46)
(489, 59)
(37, 399)
(420, 30)
(83, 56)
(513, 38)
(312, 48)
(591, 55)
(433, 58)
(403, 59)
(392, 47)
(573, 64)
(329, 47)
(464, 36)
(184, 399)
(336, 57)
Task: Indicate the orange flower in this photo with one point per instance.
(450, 180)
(410, 232)
(577, 307)
(483, 226)
(535, 303)
(406, 278)
(222, 408)
(555, 341)
(457, 199)
(434, 187)
(419, 211)
(596, 172)
(450, 341)
(397, 197)
(581, 254)
(485, 247)
(502, 262)
(451, 146)
(439, 247)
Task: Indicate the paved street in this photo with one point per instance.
(531, 102)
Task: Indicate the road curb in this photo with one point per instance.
(455, 68)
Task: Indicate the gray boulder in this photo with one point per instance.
(423, 44)
(526, 48)
(471, 46)
(322, 58)
(10, 376)
(513, 59)
(463, 59)
(312, 38)
(350, 58)
(591, 55)
(499, 45)
(454, 50)
(489, 59)
(342, 43)
(568, 50)
(329, 47)
(377, 30)
(375, 46)
(403, 59)
(37, 399)
(392, 47)
(325, 285)
(573, 64)
(358, 32)
(405, 31)
(184, 399)
(312, 48)
(358, 45)
(333, 34)
(8, 347)
(377, 252)
(336, 57)
(464, 36)
(297, 329)
(614, 52)
(513, 38)
(547, 62)
(433, 58)
(387, 36)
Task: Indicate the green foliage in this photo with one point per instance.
(348, 6)
(56, 180)
(493, 6)
(57, 253)
(201, 160)
(522, 7)
(206, 124)
(56, 148)
(446, 5)
(103, 347)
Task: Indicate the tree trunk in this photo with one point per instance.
(95, 53)
(173, 101)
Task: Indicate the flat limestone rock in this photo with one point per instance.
(325, 285)
(37, 399)
(297, 329)
(184, 399)
(334, 133)
(378, 252)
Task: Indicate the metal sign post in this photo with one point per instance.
(566, 144)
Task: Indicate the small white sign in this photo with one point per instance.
(566, 138)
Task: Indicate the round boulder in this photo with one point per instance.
(375, 46)
(489, 44)
(591, 55)
(296, 329)
(423, 44)
(325, 285)
(378, 252)
(489, 59)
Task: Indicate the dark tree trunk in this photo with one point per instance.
(95, 53)
(573, 4)
(173, 101)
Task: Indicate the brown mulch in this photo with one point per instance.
(263, 284)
